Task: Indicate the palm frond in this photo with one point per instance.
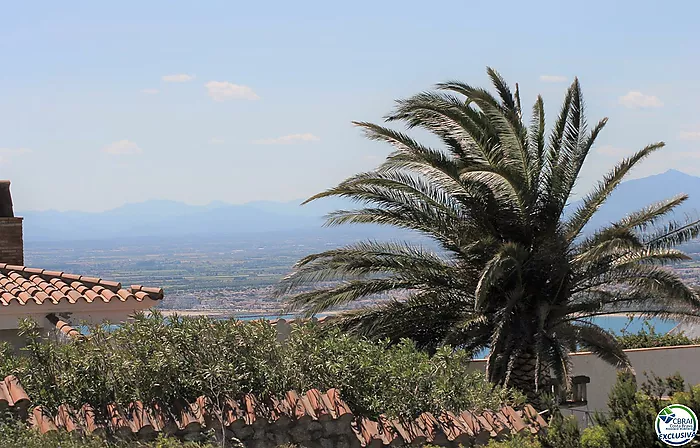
(450, 119)
(511, 134)
(510, 257)
(427, 318)
(320, 300)
(673, 234)
(369, 258)
(596, 340)
(600, 194)
(536, 140)
(549, 175)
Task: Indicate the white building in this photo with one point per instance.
(598, 377)
(56, 299)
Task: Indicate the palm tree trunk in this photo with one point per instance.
(524, 378)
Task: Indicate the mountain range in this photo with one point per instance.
(167, 219)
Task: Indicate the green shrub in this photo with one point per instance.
(563, 432)
(594, 437)
(517, 441)
(630, 422)
(690, 398)
(623, 395)
(15, 435)
(648, 337)
(158, 359)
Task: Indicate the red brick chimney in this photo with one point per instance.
(11, 242)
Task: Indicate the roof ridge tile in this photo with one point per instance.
(250, 417)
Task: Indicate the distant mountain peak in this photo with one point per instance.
(161, 218)
(217, 204)
(676, 172)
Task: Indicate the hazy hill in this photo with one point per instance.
(638, 193)
(175, 219)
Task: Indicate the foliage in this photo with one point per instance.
(397, 380)
(648, 337)
(517, 441)
(630, 422)
(594, 437)
(690, 398)
(513, 272)
(656, 386)
(563, 432)
(15, 435)
(160, 360)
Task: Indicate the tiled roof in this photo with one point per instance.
(21, 285)
(293, 418)
(12, 395)
(64, 327)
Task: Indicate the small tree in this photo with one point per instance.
(630, 423)
(563, 432)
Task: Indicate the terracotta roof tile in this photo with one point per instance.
(104, 294)
(138, 420)
(85, 279)
(13, 267)
(111, 284)
(12, 394)
(69, 277)
(453, 427)
(90, 422)
(65, 418)
(534, 417)
(155, 292)
(301, 415)
(516, 421)
(42, 420)
(20, 285)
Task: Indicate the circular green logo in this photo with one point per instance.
(676, 425)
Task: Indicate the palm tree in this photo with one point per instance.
(513, 271)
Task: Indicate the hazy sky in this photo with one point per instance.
(103, 103)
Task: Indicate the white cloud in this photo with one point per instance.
(223, 90)
(288, 139)
(609, 150)
(216, 141)
(8, 153)
(121, 148)
(635, 99)
(689, 135)
(552, 78)
(180, 77)
(150, 91)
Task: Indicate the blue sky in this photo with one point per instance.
(103, 103)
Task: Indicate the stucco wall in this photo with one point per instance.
(13, 338)
(663, 362)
